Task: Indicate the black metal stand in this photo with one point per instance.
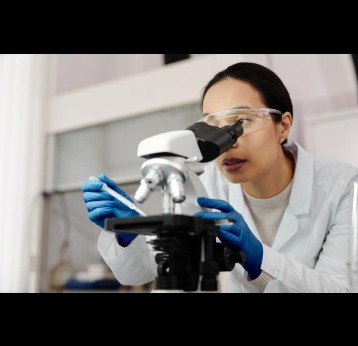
(188, 247)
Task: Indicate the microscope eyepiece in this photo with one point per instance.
(213, 140)
(235, 131)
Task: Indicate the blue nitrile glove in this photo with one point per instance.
(100, 206)
(238, 235)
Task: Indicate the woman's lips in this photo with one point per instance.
(233, 164)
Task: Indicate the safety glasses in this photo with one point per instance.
(251, 119)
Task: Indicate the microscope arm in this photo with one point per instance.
(194, 188)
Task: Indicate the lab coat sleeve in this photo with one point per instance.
(294, 277)
(133, 265)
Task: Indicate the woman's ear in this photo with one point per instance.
(286, 123)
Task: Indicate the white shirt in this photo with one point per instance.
(267, 213)
(309, 253)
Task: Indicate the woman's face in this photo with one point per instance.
(255, 154)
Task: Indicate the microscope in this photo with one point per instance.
(188, 254)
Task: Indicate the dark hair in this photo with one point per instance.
(272, 90)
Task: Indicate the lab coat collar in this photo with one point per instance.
(302, 187)
(300, 198)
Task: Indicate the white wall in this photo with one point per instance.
(81, 70)
(333, 135)
(318, 83)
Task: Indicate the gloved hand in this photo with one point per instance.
(238, 235)
(100, 206)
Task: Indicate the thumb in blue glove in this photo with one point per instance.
(100, 206)
(238, 235)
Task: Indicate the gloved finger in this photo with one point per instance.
(233, 229)
(118, 209)
(90, 185)
(100, 213)
(228, 237)
(211, 216)
(113, 185)
(126, 236)
(101, 204)
(96, 196)
(124, 239)
(218, 204)
(124, 213)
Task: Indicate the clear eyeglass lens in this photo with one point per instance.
(249, 122)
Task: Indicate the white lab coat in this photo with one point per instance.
(310, 251)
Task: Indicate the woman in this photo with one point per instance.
(291, 211)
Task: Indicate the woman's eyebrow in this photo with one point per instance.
(238, 107)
